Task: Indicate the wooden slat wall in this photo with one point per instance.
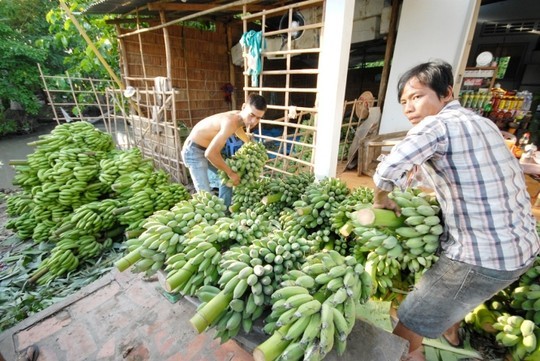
(199, 67)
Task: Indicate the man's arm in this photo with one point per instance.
(213, 152)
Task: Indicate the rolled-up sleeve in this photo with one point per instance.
(421, 143)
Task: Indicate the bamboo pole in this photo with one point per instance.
(232, 78)
(166, 39)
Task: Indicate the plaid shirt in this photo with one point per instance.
(478, 182)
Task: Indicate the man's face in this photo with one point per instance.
(253, 116)
(419, 101)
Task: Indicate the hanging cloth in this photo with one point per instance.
(252, 45)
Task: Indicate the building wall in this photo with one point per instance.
(199, 68)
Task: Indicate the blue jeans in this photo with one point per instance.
(447, 292)
(198, 167)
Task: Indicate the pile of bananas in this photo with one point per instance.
(319, 201)
(250, 275)
(526, 299)
(165, 232)
(248, 195)
(314, 310)
(519, 334)
(359, 197)
(288, 189)
(199, 262)
(248, 162)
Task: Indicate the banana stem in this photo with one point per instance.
(346, 229)
(211, 311)
(121, 210)
(180, 277)
(125, 262)
(304, 211)
(36, 276)
(134, 233)
(272, 198)
(274, 346)
(377, 217)
(18, 162)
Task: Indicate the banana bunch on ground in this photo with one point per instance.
(248, 162)
(526, 300)
(198, 263)
(90, 218)
(288, 189)
(24, 225)
(119, 162)
(517, 333)
(483, 318)
(314, 310)
(340, 216)
(58, 263)
(250, 274)
(67, 254)
(165, 230)
(319, 201)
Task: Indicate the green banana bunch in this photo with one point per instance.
(314, 310)
(248, 162)
(288, 189)
(58, 263)
(198, 263)
(482, 318)
(357, 198)
(319, 201)
(248, 195)
(165, 230)
(526, 300)
(517, 333)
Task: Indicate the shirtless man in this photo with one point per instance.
(202, 148)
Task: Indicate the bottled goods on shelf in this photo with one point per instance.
(506, 108)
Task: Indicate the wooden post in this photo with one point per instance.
(390, 41)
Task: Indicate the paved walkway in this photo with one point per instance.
(123, 317)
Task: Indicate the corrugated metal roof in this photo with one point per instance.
(115, 6)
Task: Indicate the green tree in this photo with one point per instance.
(79, 58)
(19, 28)
(39, 31)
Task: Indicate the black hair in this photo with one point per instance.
(257, 101)
(436, 75)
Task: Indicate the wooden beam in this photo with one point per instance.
(189, 17)
(390, 43)
(198, 7)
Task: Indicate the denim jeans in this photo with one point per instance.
(198, 167)
(447, 292)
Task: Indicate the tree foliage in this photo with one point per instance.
(39, 31)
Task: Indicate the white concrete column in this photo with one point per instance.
(333, 64)
(427, 30)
